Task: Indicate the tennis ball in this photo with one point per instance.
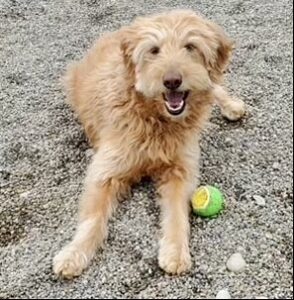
(207, 201)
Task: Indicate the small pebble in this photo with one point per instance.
(228, 141)
(203, 269)
(24, 194)
(259, 200)
(223, 294)
(89, 153)
(240, 249)
(236, 263)
(276, 166)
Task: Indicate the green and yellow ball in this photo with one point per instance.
(208, 201)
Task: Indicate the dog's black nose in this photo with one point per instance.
(172, 81)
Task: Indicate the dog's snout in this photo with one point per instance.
(172, 80)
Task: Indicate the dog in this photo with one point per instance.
(143, 95)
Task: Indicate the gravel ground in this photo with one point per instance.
(43, 156)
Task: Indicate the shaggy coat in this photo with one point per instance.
(143, 95)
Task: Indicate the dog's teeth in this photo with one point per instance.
(175, 108)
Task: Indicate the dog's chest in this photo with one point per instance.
(154, 139)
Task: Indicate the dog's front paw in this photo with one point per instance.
(234, 110)
(69, 262)
(174, 261)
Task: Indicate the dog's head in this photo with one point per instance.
(173, 55)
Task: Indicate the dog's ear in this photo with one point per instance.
(128, 44)
(222, 48)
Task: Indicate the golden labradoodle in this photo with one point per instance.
(143, 95)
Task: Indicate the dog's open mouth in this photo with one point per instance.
(175, 101)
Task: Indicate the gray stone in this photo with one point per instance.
(223, 294)
(236, 263)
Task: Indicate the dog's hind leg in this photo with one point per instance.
(231, 108)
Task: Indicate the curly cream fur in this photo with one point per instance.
(116, 91)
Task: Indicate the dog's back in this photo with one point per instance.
(87, 79)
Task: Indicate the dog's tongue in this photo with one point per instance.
(174, 98)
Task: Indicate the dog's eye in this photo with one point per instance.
(190, 47)
(154, 50)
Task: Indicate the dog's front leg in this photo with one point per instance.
(97, 203)
(174, 255)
